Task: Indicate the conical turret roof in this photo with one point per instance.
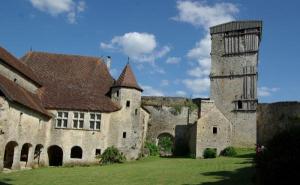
(127, 79)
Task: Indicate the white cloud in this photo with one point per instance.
(56, 7)
(164, 83)
(140, 47)
(173, 60)
(202, 15)
(150, 91)
(181, 93)
(266, 91)
(197, 85)
(113, 72)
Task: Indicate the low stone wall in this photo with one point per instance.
(275, 117)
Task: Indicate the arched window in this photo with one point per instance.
(76, 152)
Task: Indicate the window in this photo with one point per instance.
(124, 134)
(98, 152)
(95, 121)
(215, 130)
(78, 120)
(136, 111)
(117, 93)
(127, 103)
(62, 119)
(76, 152)
(240, 104)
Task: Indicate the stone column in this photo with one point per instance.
(16, 161)
(30, 157)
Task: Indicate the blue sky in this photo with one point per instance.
(167, 41)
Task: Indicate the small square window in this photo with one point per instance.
(98, 152)
(124, 134)
(127, 103)
(215, 130)
(240, 105)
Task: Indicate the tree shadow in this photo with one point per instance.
(5, 181)
(242, 176)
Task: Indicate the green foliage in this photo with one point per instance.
(165, 144)
(191, 105)
(294, 119)
(210, 153)
(278, 163)
(112, 155)
(176, 109)
(229, 152)
(153, 149)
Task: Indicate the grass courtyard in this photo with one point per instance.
(152, 170)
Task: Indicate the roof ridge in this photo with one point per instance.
(64, 54)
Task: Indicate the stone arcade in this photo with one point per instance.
(57, 109)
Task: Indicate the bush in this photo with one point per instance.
(278, 163)
(153, 149)
(112, 155)
(229, 152)
(165, 144)
(210, 153)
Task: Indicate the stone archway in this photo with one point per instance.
(55, 155)
(165, 141)
(10, 154)
(25, 154)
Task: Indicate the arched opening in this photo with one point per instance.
(165, 142)
(25, 152)
(37, 152)
(55, 155)
(9, 154)
(76, 152)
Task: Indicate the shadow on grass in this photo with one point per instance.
(242, 176)
(5, 181)
(248, 155)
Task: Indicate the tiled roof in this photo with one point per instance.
(13, 62)
(72, 81)
(20, 95)
(127, 79)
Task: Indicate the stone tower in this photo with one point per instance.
(234, 60)
(126, 124)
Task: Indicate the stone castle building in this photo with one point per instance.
(57, 109)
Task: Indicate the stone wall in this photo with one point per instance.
(171, 115)
(275, 117)
(20, 126)
(213, 130)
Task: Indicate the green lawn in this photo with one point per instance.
(151, 170)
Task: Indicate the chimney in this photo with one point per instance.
(108, 61)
